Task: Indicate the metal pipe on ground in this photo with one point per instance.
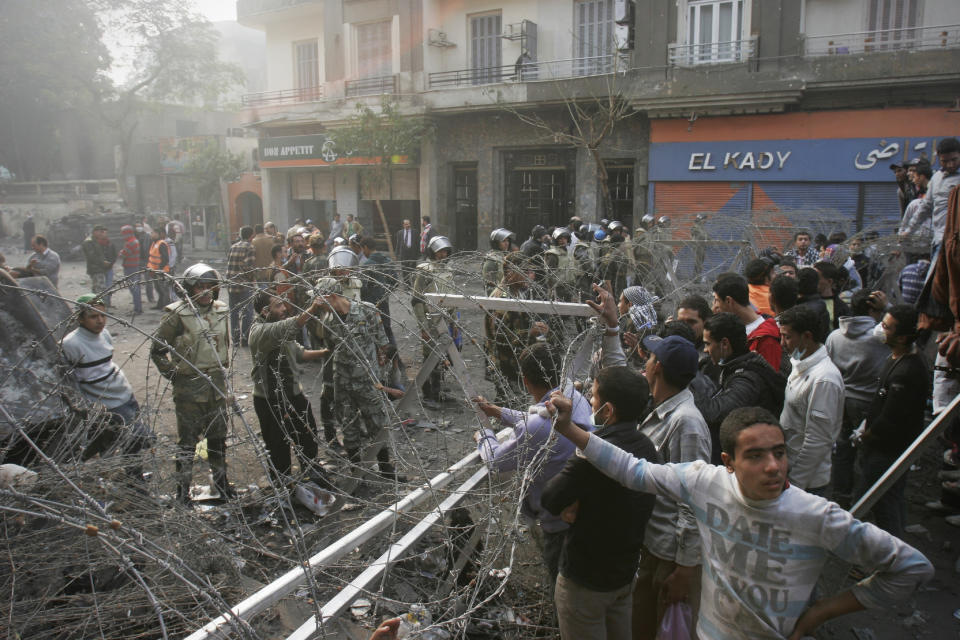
(223, 625)
(362, 583)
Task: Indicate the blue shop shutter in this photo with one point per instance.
(881, 207)
(821, 207)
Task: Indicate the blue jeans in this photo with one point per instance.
(241, 315)
(132, 276)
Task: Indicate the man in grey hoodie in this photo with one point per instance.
(859, 353)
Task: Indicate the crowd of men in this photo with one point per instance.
(697, 465)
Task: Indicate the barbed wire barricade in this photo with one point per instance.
(97, 544)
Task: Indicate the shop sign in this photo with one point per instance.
(310, 151)
(823, 160)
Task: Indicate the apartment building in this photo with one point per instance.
(736, 107)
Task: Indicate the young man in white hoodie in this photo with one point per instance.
(859, 353)
(813, 401)
(764, 542)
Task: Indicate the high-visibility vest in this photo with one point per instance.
(155, 259)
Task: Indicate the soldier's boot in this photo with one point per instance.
(387, 470)
(216, 454)
(184, 475)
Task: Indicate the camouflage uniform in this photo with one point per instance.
(350, 288)
(196, 338)
(508, 334)
(430, 277)
(562, 272)
(359, 335)
(492, 270)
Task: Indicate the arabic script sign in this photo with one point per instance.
(819, 160)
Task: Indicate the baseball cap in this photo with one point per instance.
(677, 354)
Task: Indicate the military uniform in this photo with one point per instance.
(615, 265)
(359, 334)
(562, 273)
(430, 277)
(348, 287)
(508, 334)
(197, 339)
(492, 270)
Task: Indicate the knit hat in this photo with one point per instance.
(642, 313)
(126, 230)
(88, 300)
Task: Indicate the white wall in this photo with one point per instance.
(554, 19)
(280, 39)
(941, 12)
(828, 17)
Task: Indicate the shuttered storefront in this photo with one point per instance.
(881, 207)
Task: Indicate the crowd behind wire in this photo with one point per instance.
(708, 442)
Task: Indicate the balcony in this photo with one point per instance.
(525, 72)
(285, 96)
(380, 85)
(910, 39)
(688, 55)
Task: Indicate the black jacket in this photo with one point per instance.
(895, 416)
(747, 380)
(601, 549)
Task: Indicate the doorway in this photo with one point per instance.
(465, 208)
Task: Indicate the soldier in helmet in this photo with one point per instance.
(432, 276)
(340, 279)
(509, 332)
(356, 328)
(191, 348)
(492, 268)
(562, 269)
(616, 259)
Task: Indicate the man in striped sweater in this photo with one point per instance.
(88, 354)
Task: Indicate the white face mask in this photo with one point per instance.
(879, 334)
(593, 418)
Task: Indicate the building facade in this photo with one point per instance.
(727, 107)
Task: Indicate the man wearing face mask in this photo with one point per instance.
(813, 404)
(895, 415)
(600, 550)
(669, 569)
(746, 379)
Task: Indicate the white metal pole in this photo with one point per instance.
(362, 583)
(221, 626)
(898, 468)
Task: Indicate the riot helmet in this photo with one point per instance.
(342, 257)
(438, 244)
(499, 235)
(196, 274)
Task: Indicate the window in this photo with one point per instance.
(374, 49)
(485, 50)
(593, 45)
(307, 62)
(893, 24)
(714, 31)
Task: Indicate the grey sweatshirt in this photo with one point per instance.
(859, 355)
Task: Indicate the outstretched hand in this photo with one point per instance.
(606, 307)
(387, 630)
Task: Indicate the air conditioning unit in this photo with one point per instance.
(437, 38)
(623, 11)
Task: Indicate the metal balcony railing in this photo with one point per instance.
(380, 85)
(285, 96)
(525, 72)
(912, 38)
(685, 55)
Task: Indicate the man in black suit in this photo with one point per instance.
(407, 245)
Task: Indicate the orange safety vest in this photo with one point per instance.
(155, 259)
